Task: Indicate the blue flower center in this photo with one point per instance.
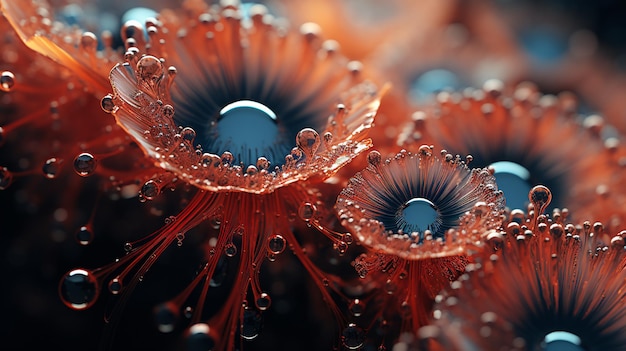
(514, 181)
(418, 215)
(562, 341)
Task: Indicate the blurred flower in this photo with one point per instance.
(528, 139)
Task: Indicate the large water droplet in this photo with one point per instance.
(353, 337)
(248, 129)
(514, 180)
(200, 338)
(418, 215)
(150, 68)
(85, 164)
(251, 324)
(79, 289)
(561, 341)
(7, 81)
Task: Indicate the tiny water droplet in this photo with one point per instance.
(263, 302)
(308, 140)
(307, 211)
(107, 103)
(357, 307)
(230, 250)
(51, 168)
(115, 285)
(89, 41)
(85, 164)
(84, 236)
(262, 163)
(79, 289)
(540, 196)
(165, 316)
(6, 178)
(426, 151)
(150, 190)
(276, 244)
(7, 81)
(374, 158)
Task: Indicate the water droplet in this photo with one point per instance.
(89, 42)
(540, 196)
(165, 316)
(425, 151)
(79, 289)
(200, 337)
(6, 178)
(353, 337)
(107, 103)
(115, 285)
(188, 134)
(85, 164)
(556, 230)
(307, 211)
(7, 81)
(220, 273)
(51, 168)
(328, 139)
(84, 236)
(230, 250)
(263, 302)
(276, 244)
(128, 247)
(357, 307)
(251, 324)
(418, 215)
(150, 190)
(262, 163)
(150, 68)
(374, 158)
(308, 140)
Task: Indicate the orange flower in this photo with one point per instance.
(546, 284)
(415, 214)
